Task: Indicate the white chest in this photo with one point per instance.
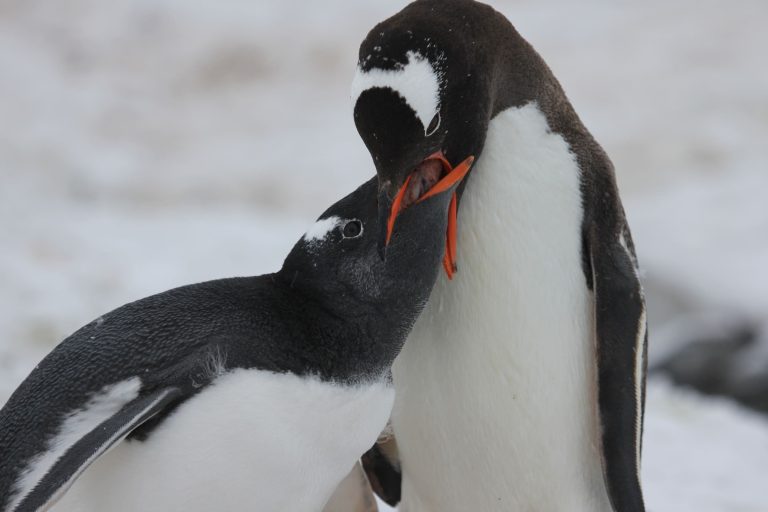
(252, 441)
(495, 385)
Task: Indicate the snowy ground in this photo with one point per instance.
(150, 143)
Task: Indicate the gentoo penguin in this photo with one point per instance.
(255, 393)
(522, 384)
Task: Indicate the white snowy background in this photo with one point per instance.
(146, 144)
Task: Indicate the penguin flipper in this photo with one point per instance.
(382, 465)
(55, 482)
(620, 323)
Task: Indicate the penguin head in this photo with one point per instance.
(422, 95)
(337, 262)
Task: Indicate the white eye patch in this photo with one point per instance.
(320, 229)
(416, 82)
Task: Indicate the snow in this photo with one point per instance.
(146, 144)
(702, 454)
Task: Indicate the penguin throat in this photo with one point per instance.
(431, 177)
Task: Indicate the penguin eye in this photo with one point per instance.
(434, 124)
(352, 229)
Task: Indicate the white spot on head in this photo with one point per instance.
(75, 424)
(322, 228)
(417, 82)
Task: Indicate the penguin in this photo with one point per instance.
(522, 384)
(253, 393)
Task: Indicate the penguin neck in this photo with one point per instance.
(359, 339)
(521, 77)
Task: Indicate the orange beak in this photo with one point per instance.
(451, 177)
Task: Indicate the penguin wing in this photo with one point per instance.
(115, 377)
(620, 324)
(48, 486)
(382, 466)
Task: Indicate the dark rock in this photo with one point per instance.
(716, 357)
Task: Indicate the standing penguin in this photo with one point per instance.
(522, 384)
(255, 393)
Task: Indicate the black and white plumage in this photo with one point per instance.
(522, 385)
(254, 393)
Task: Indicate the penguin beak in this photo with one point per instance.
(433, 176)
(385, 206)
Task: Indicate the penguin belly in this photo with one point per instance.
(252, 440)
(496, 386)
